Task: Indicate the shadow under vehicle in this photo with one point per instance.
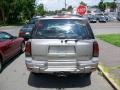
(52, 81)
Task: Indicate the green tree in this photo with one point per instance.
(63, 9)
(102, 6)
(113, 6)
(83, 3)
(14, 10)
(28, 9)
(3, 4)
(70, 8)
(40, 10)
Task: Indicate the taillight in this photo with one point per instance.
(95, 49)
(21, 33)
(28, 49)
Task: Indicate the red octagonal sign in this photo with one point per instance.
(81, 10)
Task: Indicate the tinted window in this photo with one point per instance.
(102, 18)
(27, 27)
(4, 36)
(33, 21)
(118, 13)
(56, 29)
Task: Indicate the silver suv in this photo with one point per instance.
(61, 44)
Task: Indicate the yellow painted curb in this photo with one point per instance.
(107, 75)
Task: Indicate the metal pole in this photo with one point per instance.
(116, 5)
(65, 4)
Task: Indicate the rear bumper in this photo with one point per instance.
(43, 67)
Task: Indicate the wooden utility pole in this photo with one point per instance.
(3, 14)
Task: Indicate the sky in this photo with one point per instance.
(59, 4)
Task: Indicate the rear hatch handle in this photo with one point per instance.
(76, 40)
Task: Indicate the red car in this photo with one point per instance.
(9, 47)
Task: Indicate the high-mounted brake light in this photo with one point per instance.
(95, 49)
(62, 16)
(28, 49)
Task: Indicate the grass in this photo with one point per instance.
(108, 70)
(111, 38)
(116, 67)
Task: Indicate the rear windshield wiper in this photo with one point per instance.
(76, 40)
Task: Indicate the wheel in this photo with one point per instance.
(22, 47)
(0, 65)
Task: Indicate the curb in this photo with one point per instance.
(108, 77)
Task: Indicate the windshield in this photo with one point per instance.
(33, 21)
(56, 29)
(102, 18)
(28, 26)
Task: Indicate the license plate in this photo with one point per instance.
(62, 49)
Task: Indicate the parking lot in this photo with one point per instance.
(106, 28)
(16, 77)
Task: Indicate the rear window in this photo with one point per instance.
(61, 29)
(27, 27)
(102, 18)
(33, 21)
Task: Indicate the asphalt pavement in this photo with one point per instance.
(14, 30)
(16, 77)
(106, 28)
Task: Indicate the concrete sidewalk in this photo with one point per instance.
(110, 60)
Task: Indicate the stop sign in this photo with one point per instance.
(81, 10)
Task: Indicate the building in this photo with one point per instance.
(118, 5)
(118, 9)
